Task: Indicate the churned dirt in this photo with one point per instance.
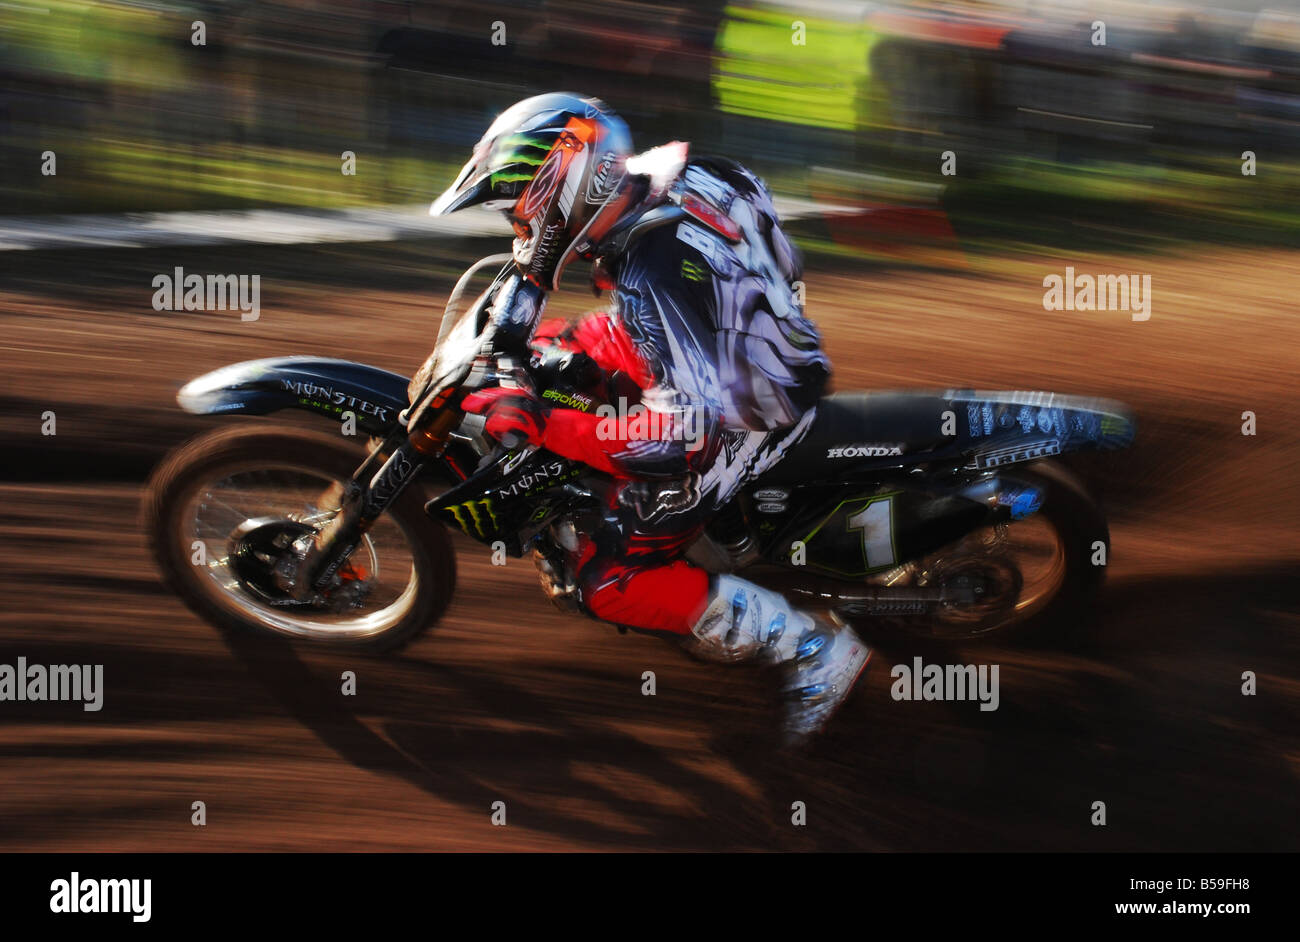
(509, 700)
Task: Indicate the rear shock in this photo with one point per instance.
(731, 530)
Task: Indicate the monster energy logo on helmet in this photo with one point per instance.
(555, 163)
(513, 160)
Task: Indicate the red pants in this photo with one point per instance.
(628, 568)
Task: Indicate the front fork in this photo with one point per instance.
(371, 490)
(366, 495)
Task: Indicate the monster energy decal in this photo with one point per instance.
(518, 157)
(692, 271)
(476, 513)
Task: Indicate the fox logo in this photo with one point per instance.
(543, 185)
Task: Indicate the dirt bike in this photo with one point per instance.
(938, 513)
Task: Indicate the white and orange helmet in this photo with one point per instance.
(555, 164)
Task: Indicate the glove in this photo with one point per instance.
(514, 415)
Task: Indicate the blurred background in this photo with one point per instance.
(1122, 157)
(835, 101)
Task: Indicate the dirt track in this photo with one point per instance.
(509, 700)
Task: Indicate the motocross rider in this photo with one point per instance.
(705, 331)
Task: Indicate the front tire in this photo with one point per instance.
(215, 503)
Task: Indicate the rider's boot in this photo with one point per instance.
(821, 660)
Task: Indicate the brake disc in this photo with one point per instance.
(263, 554)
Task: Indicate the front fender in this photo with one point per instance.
(317, 384)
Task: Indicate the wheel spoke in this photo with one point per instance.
(247, 496)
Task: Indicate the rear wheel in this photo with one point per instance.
(223, 512)
(1031, 576)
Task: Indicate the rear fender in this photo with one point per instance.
(1001, 428)
(860, 436)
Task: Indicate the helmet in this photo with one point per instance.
(555, 164)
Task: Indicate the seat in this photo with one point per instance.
(855, 432)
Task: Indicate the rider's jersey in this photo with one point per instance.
(713, 308)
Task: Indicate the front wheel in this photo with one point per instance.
(222, 514)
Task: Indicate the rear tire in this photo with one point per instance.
(1081, 524)
(1057, 613)
(215, 454)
